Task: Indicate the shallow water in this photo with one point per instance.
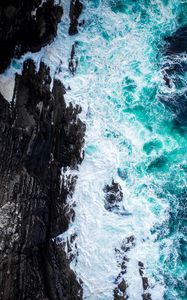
(132, 138)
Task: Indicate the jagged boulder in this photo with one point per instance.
(114, 195)
(26, 26)
(75, 11)
(39, 135)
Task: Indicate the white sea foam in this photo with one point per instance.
(114, 139)
(7, 84)
(113, 48)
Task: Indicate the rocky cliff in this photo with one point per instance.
(40, 137)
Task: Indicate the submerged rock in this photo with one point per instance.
(121, 291)
(114, 195)
(73, 62)
(39, 135)
(146, 296)
(145, 282)
(26, 26)
(114, 199)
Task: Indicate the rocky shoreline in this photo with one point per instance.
(39, 137)
(26, 26)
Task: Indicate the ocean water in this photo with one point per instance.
(131, 137)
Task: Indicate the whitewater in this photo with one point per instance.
(130, 138)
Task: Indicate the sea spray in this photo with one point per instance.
(132, 139)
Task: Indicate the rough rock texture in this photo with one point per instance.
(145, 282)
(73, 61)
(39, 135)
(26, 26)
(114, 199)
(114, 195)
(121, 290)
(75, 11)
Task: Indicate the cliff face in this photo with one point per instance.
(26, 26)
(39, 135)
(75, 11)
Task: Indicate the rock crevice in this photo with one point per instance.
(39, 135)
(26, 26)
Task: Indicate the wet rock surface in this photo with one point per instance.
(39, 135)
(145, 282)
(73, 61)
(70, 247)
(121, 290)
(75, 11)
(114, 195)
(26, 26)
(114, 199)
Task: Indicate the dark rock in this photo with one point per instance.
(146, 296)
(122, 286)
(73, 62)
(120, 292)
(145, 283)
(141, 268)
(39, 135)
(117, 296)
(75, 12)
(26, 26)
(114, 196)
(128, 243)
(140, 264)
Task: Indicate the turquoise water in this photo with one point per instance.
(131, 137)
